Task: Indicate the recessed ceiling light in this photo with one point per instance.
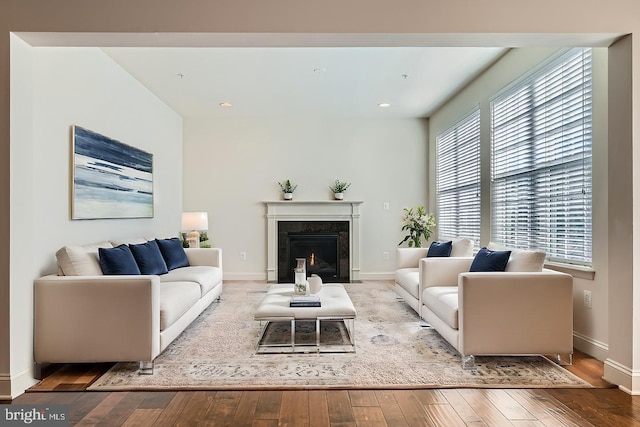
(226, 104)
(384, 105)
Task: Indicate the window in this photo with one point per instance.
(541, 160)
(458, 179)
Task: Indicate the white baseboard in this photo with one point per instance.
(256, 277)
(12, 386)
(377, 276)
(593, 348)
(628, 380)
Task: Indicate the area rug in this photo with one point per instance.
(393, 350)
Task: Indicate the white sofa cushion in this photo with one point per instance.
(80, 260)
(409, 278)
(175, 299)
(205, 276)
(443, 302)
(461, 247)
(523, 260)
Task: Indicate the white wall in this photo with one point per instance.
(590, 325)
(233, 165)
(52, 89)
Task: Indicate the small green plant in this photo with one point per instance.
(287, 186)
(339, 186)
(419, 224)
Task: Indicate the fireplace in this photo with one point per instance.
(314, 213)
(324, 245)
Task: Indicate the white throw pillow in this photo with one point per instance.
(461, 247)
(521, 259)
(81, 260)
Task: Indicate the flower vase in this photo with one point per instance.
(338, 196)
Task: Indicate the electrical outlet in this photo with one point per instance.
(385, 206)
(385, 255)
(587, 299)
(243, 256)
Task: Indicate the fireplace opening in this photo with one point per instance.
(324, 245)
(320, 251)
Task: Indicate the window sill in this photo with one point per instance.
(579, 271)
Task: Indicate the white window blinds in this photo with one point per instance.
(458, 179)
(541, 160)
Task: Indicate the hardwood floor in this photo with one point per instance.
(599, 406)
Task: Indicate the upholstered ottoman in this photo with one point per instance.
(335, 306)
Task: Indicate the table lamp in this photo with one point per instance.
(194, 222)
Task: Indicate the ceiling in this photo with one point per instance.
(305, 81)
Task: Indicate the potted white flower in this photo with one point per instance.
(287, 189)
(338, 189)
(419, 224)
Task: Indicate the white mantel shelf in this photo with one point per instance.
(322, 210)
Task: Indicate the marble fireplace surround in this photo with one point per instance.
(333, 210)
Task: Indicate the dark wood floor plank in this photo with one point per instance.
(101, 411)
(142, 418)
(412, 409)
(550, 412)
(124, 408)
(510, 408)
(462, 408)
(369, 416)
(444, 415)
(390, 408)
(430, 396)
(246, 409)
(340, 412)
(83, 403)
(318, 409)
(363, 398)
(265, 423)
(158, 400)
(294, 409)
(599, 411)
(268, 406)
(173, 411)
(487, 412)
(222, 408)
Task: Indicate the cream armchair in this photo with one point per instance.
(498, 313)
(409, 275)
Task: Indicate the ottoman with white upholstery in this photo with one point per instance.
(335, 305)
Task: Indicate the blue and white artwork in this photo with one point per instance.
(110, 179)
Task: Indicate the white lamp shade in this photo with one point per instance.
(195, 221)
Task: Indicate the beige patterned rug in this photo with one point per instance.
(392, 351)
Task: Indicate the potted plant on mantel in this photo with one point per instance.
(287, 189)
(338, 189)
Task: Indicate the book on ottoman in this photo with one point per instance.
(305, 301)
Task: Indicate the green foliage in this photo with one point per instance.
(419, 224)
(339, 186)
(287, 186)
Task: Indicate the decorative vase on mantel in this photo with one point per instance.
(338, 196)
(288, 196)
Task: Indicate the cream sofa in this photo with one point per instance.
(523, 310)
(82, 315)
(408, 275)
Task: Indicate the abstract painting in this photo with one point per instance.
(110, 179)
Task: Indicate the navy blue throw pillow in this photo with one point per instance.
(440, 249)
(173, 253)
(118, 260)
(149, 258)
(486, 260)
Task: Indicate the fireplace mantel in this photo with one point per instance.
(289, 210)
